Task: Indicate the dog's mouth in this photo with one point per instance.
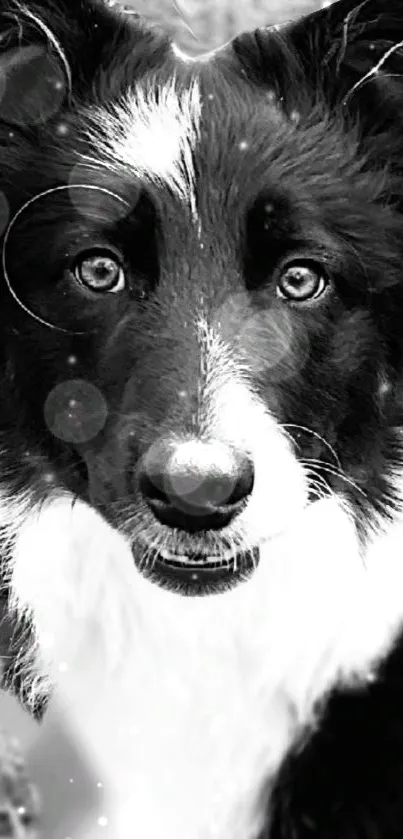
(196, 574)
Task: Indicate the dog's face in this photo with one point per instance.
(202, 286)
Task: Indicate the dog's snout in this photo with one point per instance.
(196, 485)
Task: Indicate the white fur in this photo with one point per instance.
(187, 706)
(153, 137)
(232, 413)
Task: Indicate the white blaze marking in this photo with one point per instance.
(152, 132)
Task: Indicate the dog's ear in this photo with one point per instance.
(54, 49)
(349, 54)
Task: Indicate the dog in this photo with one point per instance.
(201, 414)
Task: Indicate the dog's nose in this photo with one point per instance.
(195, 485)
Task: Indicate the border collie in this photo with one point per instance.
(201, 349)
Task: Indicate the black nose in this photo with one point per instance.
(195, 485)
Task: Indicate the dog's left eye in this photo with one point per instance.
(101, 271)
(300, 281)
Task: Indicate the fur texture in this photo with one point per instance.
(201, 449)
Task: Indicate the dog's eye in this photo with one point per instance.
(301, 281)
(100, 270)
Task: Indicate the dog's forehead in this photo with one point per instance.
(172, 130)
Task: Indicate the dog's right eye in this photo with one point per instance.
(100, 270)
(301, 281)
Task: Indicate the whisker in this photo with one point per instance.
(315, 434)
(373, 72)
(52, 40)
(333, 471)
(318, 483)
(351, 18)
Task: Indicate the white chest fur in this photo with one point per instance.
(187, 706)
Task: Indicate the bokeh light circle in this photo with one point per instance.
(33, 86)
(75, 411)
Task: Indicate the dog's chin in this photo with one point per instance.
(197, 575)
(193, 574)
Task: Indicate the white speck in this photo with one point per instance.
(99, 785)
(243, 145)
(199, 229)
(21, 811)
(62, 129)
(210, 96)
(295, 117)
(103, 821)
(72, 359)
(71, 780)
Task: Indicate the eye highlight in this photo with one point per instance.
(100, 270)
(300, 281)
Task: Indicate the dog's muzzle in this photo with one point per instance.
(197, 488)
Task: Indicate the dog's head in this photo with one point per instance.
(202, 285)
